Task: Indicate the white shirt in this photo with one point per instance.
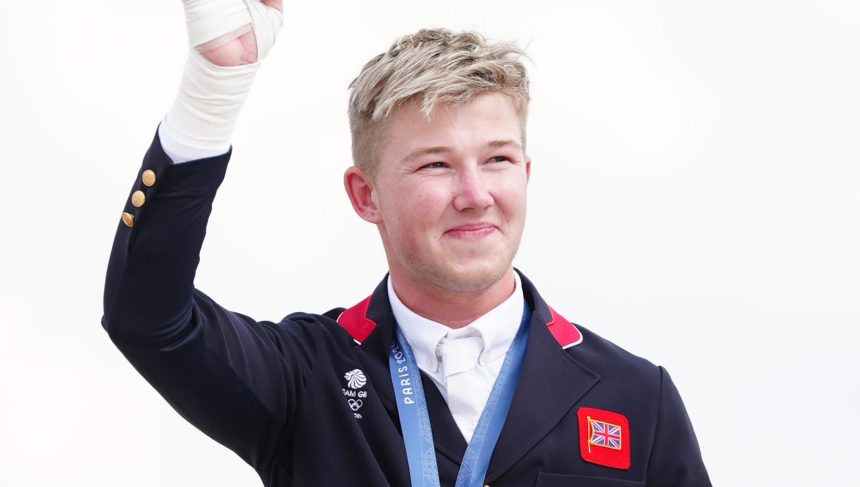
(496, 329)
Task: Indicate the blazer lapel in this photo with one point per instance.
(551, 382)
(374, 323)
(446, 434)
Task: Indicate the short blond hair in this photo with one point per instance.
(432, 67)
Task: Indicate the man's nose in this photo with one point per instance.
(472, 191)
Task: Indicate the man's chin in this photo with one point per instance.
(473, 279)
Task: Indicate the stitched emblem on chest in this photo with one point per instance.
(604, 438)
(354, 392)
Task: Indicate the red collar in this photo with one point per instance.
(356, 322)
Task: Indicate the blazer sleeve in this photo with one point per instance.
(676, 460)
(230, 376)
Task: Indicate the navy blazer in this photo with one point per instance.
(278, 394)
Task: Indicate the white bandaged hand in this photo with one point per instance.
(201, 121)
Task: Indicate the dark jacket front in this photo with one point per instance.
(279, 394)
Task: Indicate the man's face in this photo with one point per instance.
(451, 194)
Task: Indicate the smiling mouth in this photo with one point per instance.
(471, 231)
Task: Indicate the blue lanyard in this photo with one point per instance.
(415, 420)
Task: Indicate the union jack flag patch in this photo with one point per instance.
(604, 434)
(604, 438)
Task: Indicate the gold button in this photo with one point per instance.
(128, 219)
(138, 199)
(148, 177)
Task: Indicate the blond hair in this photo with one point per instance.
(432, 67)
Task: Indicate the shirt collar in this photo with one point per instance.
(496, 328)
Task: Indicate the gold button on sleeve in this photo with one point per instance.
(148, 177)
(128, 219)
(138, 199)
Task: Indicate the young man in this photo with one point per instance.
(454, 370)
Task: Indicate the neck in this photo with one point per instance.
(454, 309)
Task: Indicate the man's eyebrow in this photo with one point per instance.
(441, 149)
(423, 151)
(505, 143)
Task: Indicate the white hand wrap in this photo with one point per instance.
(201, 121)
(209, 19)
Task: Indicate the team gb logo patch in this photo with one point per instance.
(355, 395)
(355, 379)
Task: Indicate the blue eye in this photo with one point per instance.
(435, 165)
(499, 159)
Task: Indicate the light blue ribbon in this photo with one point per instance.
(415, 420)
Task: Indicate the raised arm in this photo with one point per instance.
(230, 376)
(229, 39)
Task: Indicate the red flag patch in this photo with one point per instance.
(604, 438)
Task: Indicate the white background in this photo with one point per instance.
(695, 197)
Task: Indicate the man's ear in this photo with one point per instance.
(528, 167)
(362, 194)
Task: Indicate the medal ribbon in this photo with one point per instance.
(415, 419)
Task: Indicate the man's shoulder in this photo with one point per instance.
(614, 363)
(314, 325)
(590, 350)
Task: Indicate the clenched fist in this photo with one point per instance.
(233, 32)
